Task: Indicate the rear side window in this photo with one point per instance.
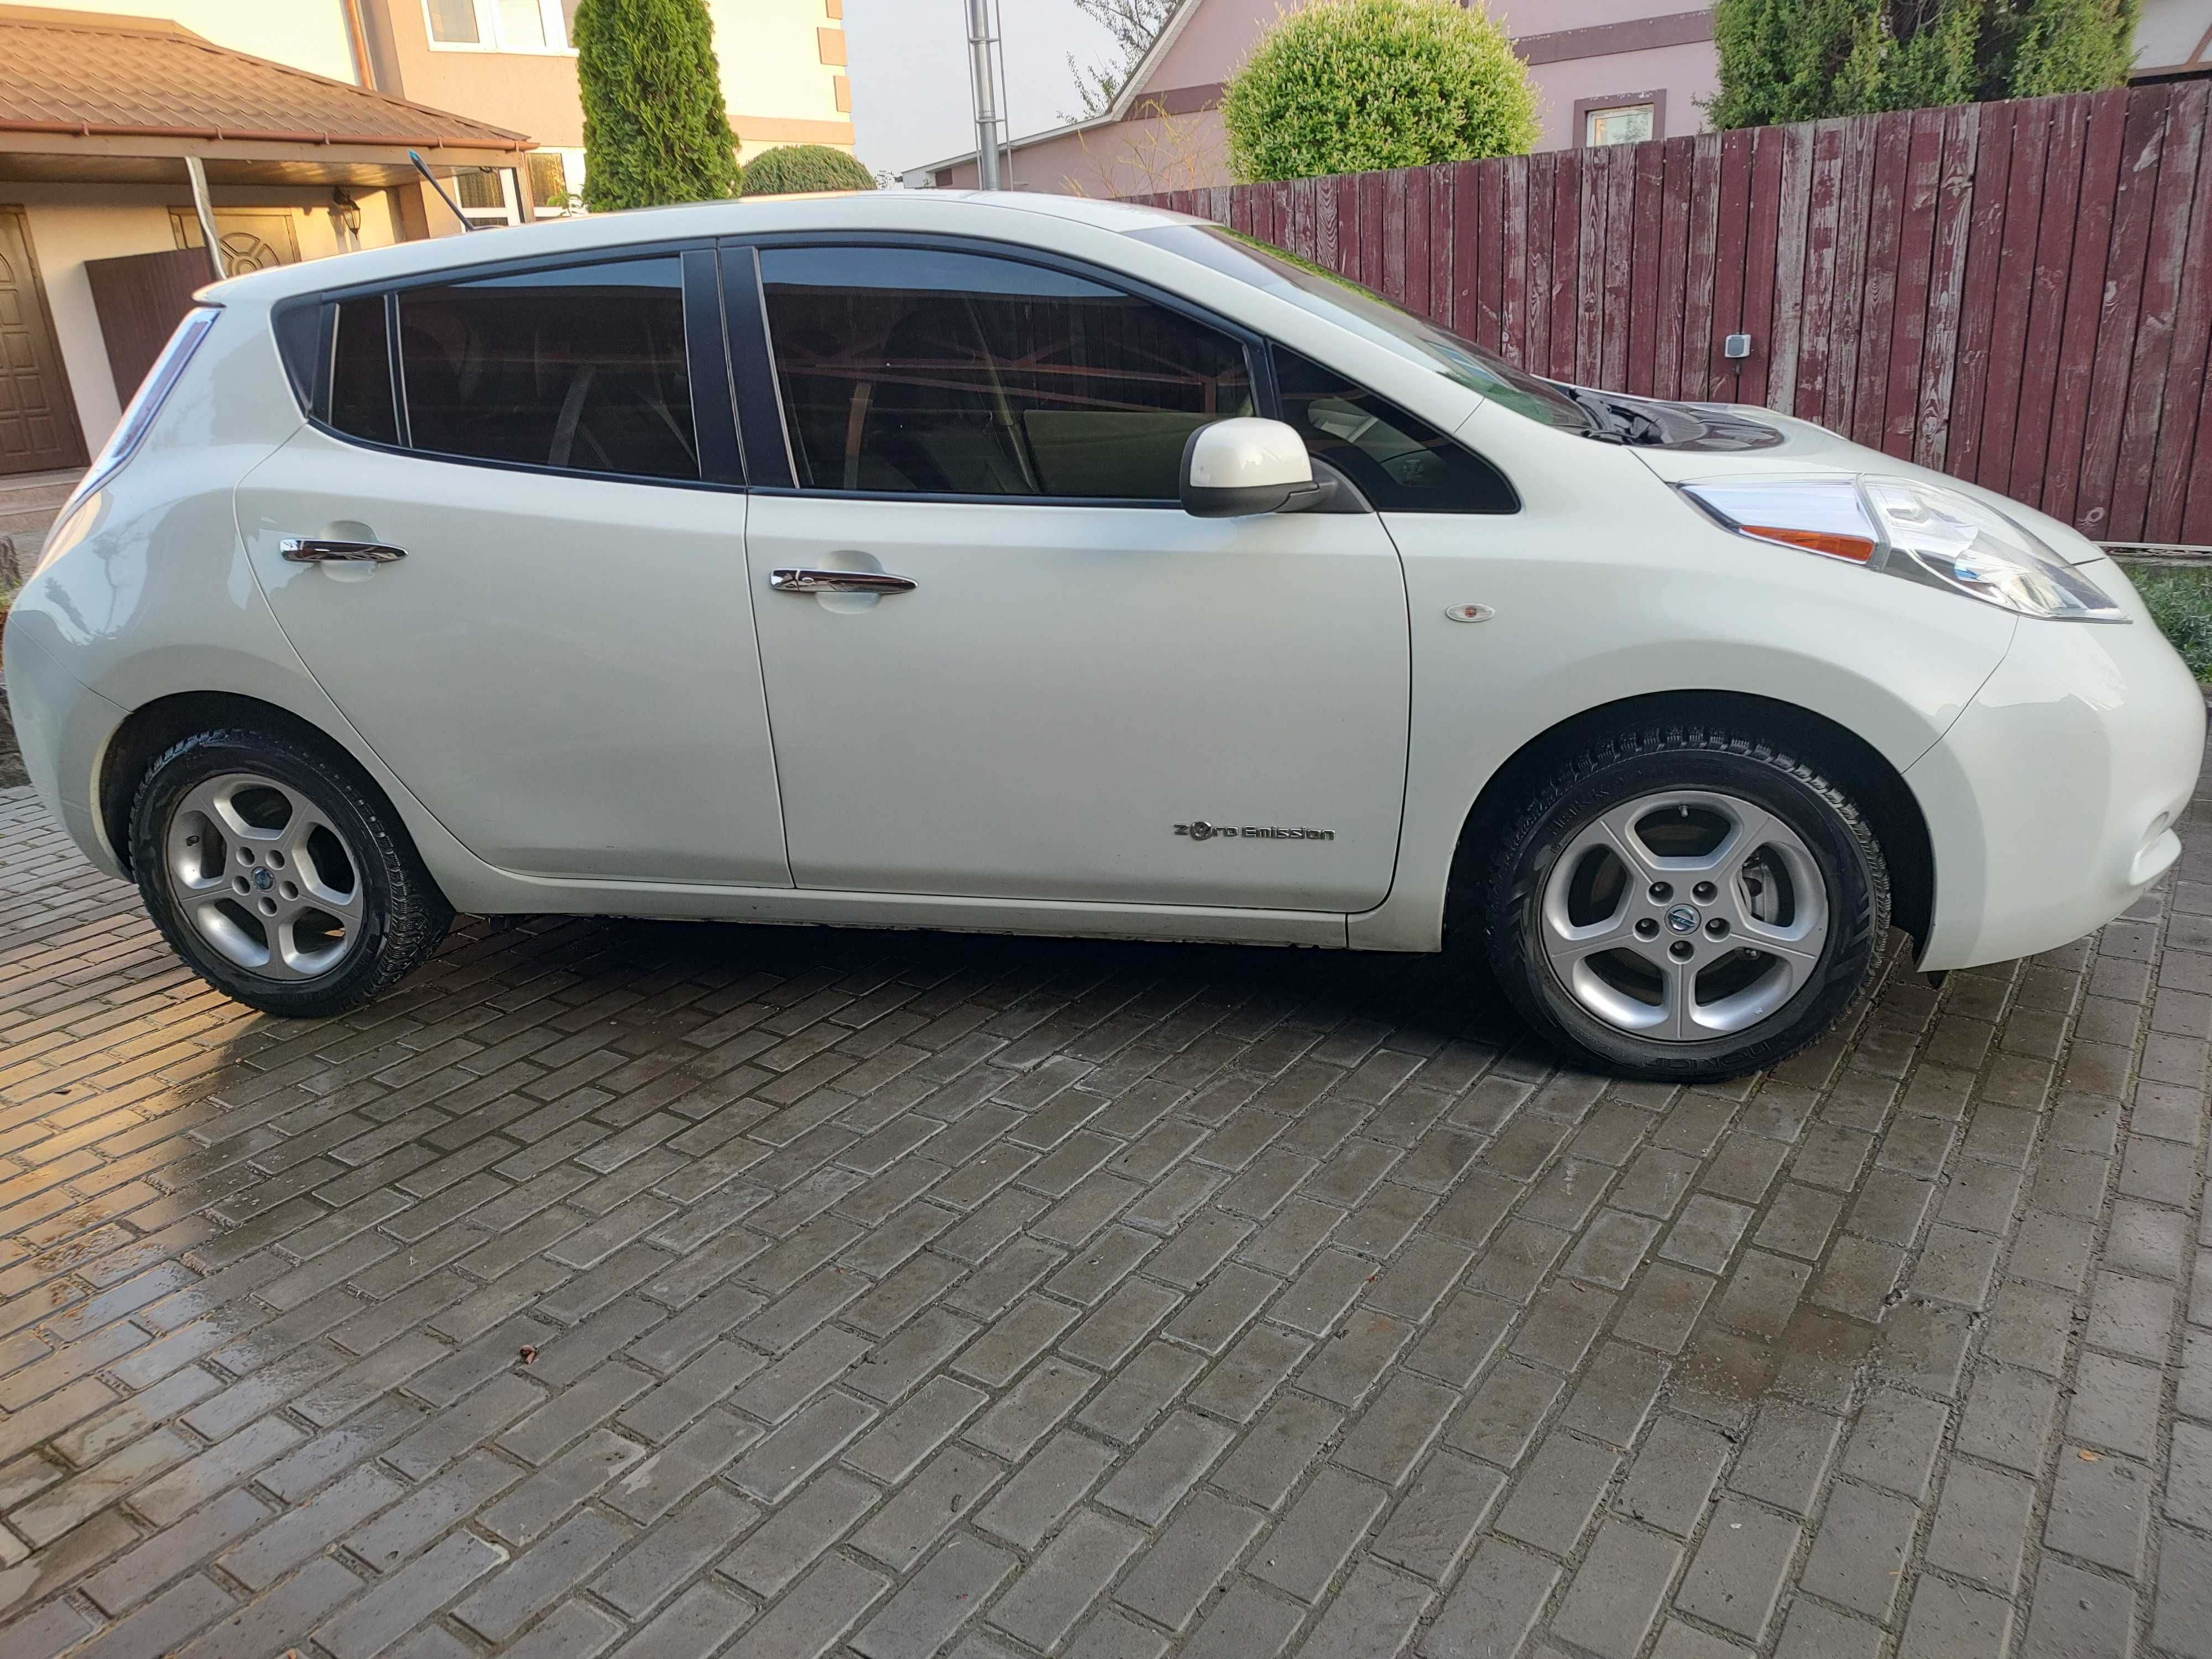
(925, 371)
(361, 372)
(580, 369)
(1399, 462)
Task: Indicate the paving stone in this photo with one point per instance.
(1981, 1529)
(1184, 1562)
(1673, 1475)
(1859, 1550)
(1058, 1587)
(2099, 1510)
(1615, 1597)
(1787, 1455)
(1736, 1574)
(1328, 1522)
(1431, 1527)
(2075, 1612)
(1951, 1621)
(1558, 1489)
(1496, 1605)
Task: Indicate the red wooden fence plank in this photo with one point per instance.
(1816, 315)
(1762, 252)
(2087, 303)
(1490, 254)
(1589, 267)
(1299, 238)
(1566, 255)
(1420, 224)
(1915, 252)
(1954, 209)
(2025, 205)
(1704, 223)
(2177, 321)
(2046, 316)
(1877, 288)
(1792, 230)
(2185, 431)
(1513, 258)
(1393, 189)
(1731, 250)
(1678, 161)
(1848, 304)
(1543, 180)
(2142, 150)
(1466, 227)
(1620, 250)
(1649, 187)
(1984, 248)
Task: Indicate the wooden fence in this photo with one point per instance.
(2020, 293)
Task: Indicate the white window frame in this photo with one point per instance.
(491, 37)
(1592, 114)
(508, 212)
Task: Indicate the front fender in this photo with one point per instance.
(1585, 617)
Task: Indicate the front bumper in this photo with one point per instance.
(2052, 803)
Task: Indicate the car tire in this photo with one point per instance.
(1683, 903)
(279, 875)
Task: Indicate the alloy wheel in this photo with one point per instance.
(1684, 915)
(265, 877)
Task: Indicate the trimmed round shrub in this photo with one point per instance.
(803, 169)
(1349, 86)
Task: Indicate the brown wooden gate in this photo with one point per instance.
(39, 430)
(140, 298)
(2019, 294)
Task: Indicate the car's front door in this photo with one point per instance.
(1084, 694)
(561, 665)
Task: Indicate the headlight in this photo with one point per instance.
(1920, 532)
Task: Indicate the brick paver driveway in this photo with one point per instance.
(663, 1290)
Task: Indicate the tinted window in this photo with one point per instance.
(580, 369)
(1400, 463)
(361, 372)
(917, 370)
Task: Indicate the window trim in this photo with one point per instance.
(491, 33)
(721, 463)
(753, 355)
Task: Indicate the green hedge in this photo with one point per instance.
(802, 169)
(1347, 86)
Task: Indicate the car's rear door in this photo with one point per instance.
(1080, 692)
(561, 667)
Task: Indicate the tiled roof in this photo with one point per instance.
(69, 72)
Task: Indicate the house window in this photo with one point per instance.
(1619, 124)
(487, 196)
(500, 25)
(557, 182)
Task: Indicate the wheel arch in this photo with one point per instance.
(1849, 760)
(150, 731)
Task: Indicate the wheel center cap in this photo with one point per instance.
(1682, 919)
(263, 881)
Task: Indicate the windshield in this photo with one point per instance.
(1345, 303)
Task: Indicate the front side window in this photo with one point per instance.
(1398, 461)
(581, 368)
(928, 372)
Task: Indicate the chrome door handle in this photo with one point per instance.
(838, 581)
(307, 549)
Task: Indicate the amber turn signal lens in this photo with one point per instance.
(1857, 548)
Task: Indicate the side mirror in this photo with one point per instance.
(1235, 469)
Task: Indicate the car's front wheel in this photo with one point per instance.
(278, 877)
(1683, 904)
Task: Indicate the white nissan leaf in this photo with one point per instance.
(1049, 566)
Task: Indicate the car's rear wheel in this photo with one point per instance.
(278, 877)
(1683, 903)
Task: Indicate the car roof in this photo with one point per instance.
(952, 212)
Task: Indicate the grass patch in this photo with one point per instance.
(2181, 602)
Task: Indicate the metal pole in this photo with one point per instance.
(195, 171)
(984, 84)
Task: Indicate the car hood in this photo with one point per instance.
(1802, 449)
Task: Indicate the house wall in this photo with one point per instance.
(783, 72)
(309, 34)
(71, 224)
